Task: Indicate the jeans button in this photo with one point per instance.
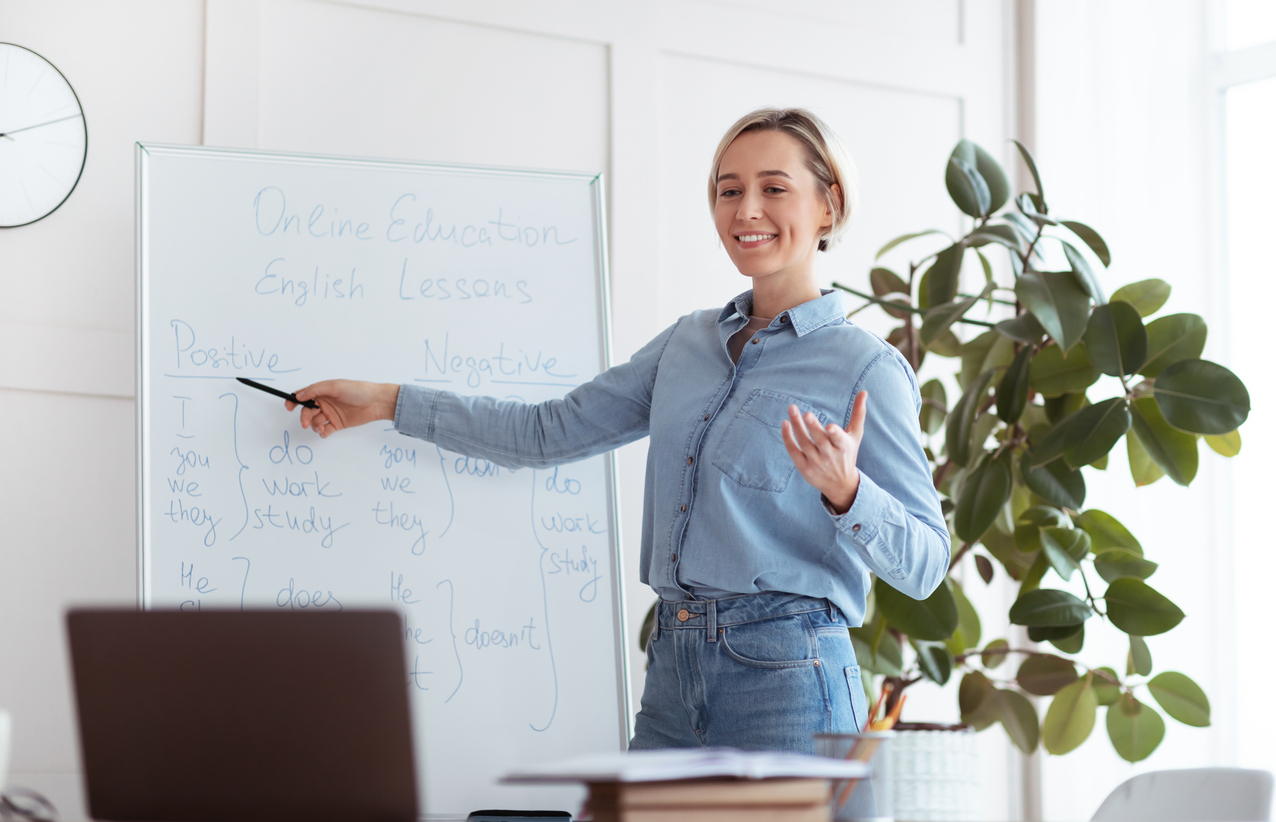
(684, 615)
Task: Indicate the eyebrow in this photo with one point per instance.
(775, 172)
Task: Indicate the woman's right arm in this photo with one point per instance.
(608, 411)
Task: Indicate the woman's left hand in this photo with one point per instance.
(825, 455)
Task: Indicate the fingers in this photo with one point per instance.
(791, 445)
(858, 412)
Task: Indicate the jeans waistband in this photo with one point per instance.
(710, 614)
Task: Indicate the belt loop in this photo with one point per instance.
(711, 620)
(832, 614)
(655, 628)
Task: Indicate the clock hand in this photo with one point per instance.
(39, 125)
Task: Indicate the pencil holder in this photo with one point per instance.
(868, 800)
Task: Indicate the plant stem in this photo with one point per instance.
(901, 306)
(960, 553)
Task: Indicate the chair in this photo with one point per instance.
(1191, 795)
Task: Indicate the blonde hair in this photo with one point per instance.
(826, 159)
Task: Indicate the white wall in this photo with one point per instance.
(640, 90)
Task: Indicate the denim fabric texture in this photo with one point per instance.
(725, 511)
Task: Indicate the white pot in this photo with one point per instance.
(936, 775)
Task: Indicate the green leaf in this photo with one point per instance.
(1033, 208)
(1106, 690)
(994, 176)
(994, 653)
(1142, 468)
(1052, 374)
(1070, 718)
(944, 275)
(1049, 633)
(1045, 674)
(962, 419)
(988, 350)
(1055, 482)
(972, 694)
(941, 317)
(648, 626)
(1092, 431)
(1064, 549)
(1056, 300)
(984, 566)
(1201, 397)
(885, 281)
(1057, 408)
(1091, 238)
(1181, 698)
(1172, 338)
(945, 345)
(1115, 563)
(1106, 532)
(983, 492)
(1172, 450)
(1134, 728)
(1049, 608)
(968, 627)
(933, 619)
(1147, 296)
(1029, 524)
(1116, 339)
(966, 185)
(934, 660)
(1139, 659)
(934, 406)
(877, 654)
(1083, 273)
(997, 233)
(1018, 717)
(1023, 328)
(905, 238)
(1070, 644)
(1032, 167)
(1012, 391)
(1137, 608)
(1229, 444)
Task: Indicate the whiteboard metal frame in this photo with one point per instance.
(596, 183)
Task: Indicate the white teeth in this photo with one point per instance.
(753, 238)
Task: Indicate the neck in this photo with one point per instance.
(781, 290)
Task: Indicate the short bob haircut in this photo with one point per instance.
(825, 157)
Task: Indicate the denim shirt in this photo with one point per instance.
(725, 511)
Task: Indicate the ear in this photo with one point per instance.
(835, 192)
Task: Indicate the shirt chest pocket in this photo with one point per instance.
(752, 451)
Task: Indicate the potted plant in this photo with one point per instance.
(1008, 456)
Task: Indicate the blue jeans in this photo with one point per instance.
(756, 671)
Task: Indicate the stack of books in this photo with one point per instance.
(710, 800)
(704, 785)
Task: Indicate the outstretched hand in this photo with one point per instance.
(345, 404)
(825, 455)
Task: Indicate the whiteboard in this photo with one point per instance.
(289, 269)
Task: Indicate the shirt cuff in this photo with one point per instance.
(864, 517)
(415, 410)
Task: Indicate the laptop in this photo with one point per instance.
(229, 716)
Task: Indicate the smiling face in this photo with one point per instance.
(769, 210)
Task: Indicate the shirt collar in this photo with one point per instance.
(805, 318)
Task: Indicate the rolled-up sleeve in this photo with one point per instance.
(610, 410)
(895, 525)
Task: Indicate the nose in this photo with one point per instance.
(749, 206)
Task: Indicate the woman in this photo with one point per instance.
(759, 573)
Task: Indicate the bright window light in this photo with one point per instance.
(1251, 216)
(1248, 22)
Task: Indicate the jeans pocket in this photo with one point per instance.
(859, 699)
(780, 642)
(752, 450)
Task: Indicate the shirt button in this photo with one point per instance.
(706, 417)
(684, 508)
(785, 318)
(673, 557)
(684, 615)
(690, 460)
(755, 340)
(855, 527)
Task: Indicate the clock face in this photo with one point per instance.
(43, 137)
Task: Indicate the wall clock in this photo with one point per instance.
(43, 137)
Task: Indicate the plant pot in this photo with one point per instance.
(936, 770)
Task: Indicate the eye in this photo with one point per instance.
(727, 192)
(775, 188)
